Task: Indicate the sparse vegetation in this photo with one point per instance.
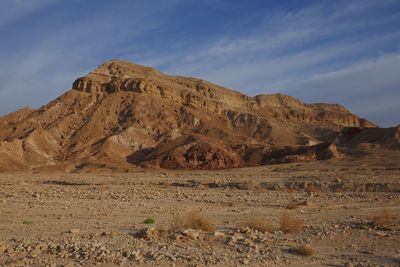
(251, 185)
(289, 224)
(305, 250)
(290, 190)
(295, 204)
(310, 188)
(384, 218)
(243, 219)
(248, 185)
(165, 183)
(193, 220)
(149, 221)
(260, 224)
(292, 205)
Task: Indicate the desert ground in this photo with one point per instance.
(308, 214)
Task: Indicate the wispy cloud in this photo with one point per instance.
(14, 9)
(319, 51)
(297, 37)
(47, 66)
(371, 88)
(291, 52)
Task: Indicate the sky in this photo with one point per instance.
(345, 52)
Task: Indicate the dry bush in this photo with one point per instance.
(249, 185)
(193, 220)
(292, 205)
(290, 190)
(166, 183)
(295, 204)
(310, 188)
(305, 250)
(261, 189)
(260, 224)
(289, 224)
(384, 218)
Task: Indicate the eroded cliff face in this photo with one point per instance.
(122, 111)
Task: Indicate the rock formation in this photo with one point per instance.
(122, 115)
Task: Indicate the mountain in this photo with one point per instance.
(121, 116)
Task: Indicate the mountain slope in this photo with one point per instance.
(123, 115)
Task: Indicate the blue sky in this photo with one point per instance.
(345, 52)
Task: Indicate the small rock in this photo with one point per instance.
(123, 263)
(246, 230)
(2, 249)
(151, 232)
(253, 236)
(348, 264)
(218, 234)
(178, 237)
(74, 231)
(193, 234)
(36, 251)
(172, 257)
(245, 261)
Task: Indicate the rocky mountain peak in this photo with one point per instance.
(122, 115)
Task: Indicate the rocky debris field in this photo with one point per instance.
(264, 216)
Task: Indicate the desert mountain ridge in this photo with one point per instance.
(124, 116)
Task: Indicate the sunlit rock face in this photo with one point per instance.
(123, 115)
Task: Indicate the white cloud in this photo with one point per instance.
(289, 52)
(370, 88)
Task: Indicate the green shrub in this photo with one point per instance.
(149, 221)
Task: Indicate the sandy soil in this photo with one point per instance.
(97, 219)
